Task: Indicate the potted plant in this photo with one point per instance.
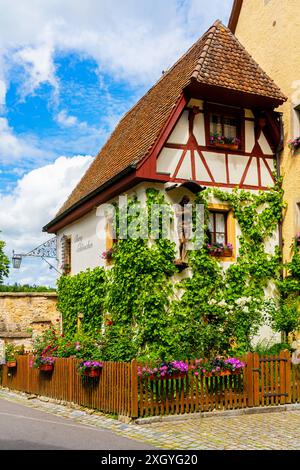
(164, 370)
(10, 355)
(108, 254)
(219, 140)
(44, 363)
(294, 144)
(90, 368)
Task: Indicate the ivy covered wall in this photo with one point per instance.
(138, 308)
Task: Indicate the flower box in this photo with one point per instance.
(46, 367)
(226, 146)
(11, 364)
(226, 253)
(92, 373)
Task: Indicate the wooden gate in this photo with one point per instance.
(269, 379)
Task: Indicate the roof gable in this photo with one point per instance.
(216, 60)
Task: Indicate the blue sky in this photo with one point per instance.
(68, 72)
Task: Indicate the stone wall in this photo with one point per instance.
(25, 315)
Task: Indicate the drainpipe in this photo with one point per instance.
(277, 155)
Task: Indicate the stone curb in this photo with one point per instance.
(218, 414)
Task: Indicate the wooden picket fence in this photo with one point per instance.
(265, 381)
(111, 393)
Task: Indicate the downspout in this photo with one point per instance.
(277, 156)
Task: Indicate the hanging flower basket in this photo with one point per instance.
(90, 368)
(92, 373)
(46, 367)
(11, 364)
(43, 363)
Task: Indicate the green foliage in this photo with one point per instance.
(220, 310)
(84, 294)
(267, 348)
(46, 343)
(139, 290)
(4, 263)
(135, 310)
(12, 351)
(25, 288)
(287, 317)
(80, 346)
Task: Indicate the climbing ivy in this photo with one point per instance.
(223, 309)
(139, 291)
(287, 317)
(83, 294)
(137, 308)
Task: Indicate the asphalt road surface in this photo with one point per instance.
(24, 428)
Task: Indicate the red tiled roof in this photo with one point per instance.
(216, 59)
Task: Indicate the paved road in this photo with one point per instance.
(24, 428)
(35, 424)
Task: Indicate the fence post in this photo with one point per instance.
(134, 389)
(250, 378)
(288, 376)
(283, 370)
(29, 360)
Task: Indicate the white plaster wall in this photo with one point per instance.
(87, 242)
(249, 136)
(180, 133)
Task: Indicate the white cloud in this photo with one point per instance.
(14, 147)
(65, 120)
(135, 39)
(34, 202)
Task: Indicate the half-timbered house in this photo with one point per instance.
(208, 121)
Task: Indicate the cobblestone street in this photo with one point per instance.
(278, 430)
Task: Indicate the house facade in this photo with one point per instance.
(209, 122)
(269, 29)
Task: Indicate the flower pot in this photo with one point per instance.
(226, 146)
(46, 367)
(11, 364)
(92, 373)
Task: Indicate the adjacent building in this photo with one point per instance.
(270, 31)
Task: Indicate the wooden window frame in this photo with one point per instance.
(225, 213)
(230, 229)
(225, 111)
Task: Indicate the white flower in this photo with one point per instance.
(222, 303)
(212, 302)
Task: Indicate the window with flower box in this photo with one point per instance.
(223, 127)
(221, 233)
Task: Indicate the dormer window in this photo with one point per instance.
(223, 127)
